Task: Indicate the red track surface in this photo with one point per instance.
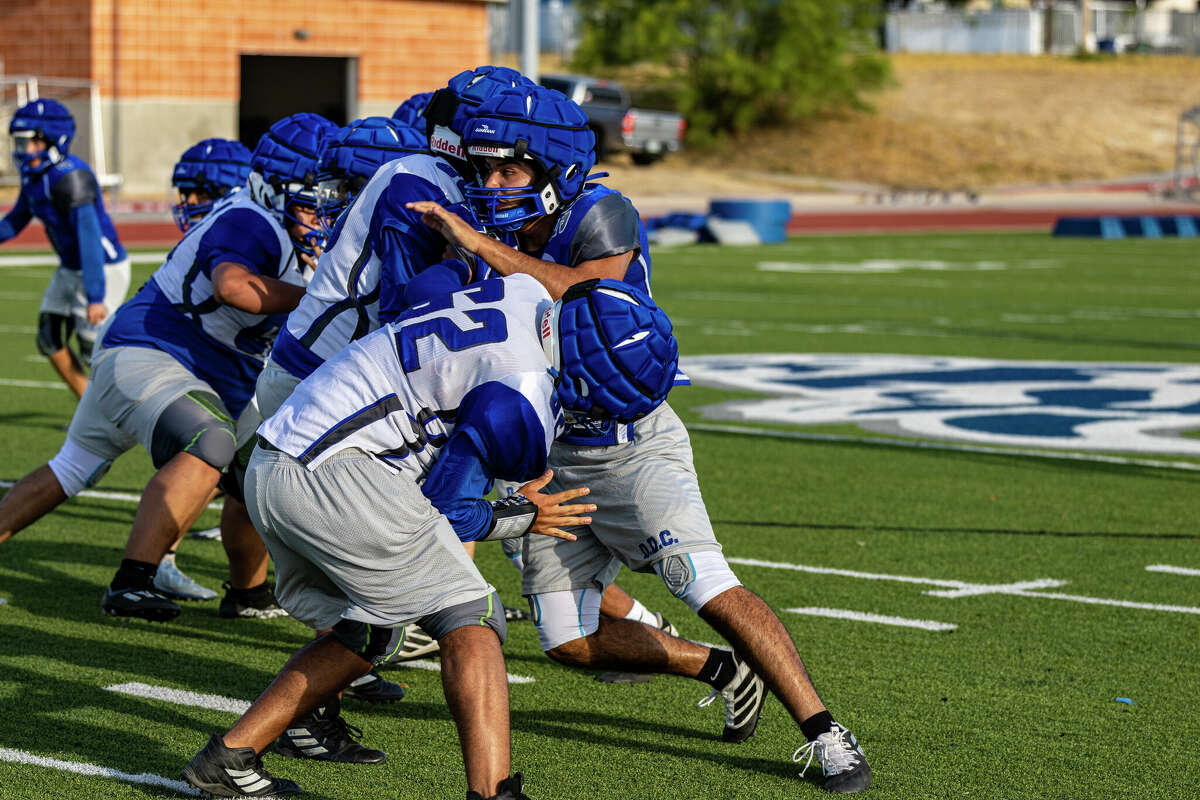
(165, 234)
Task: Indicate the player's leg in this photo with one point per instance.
(116, 285)
(91, 446)
(58, 318)
(190, 437)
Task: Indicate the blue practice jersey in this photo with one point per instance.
(66, 198)
(377, 246)
(176, 312)
(456, 393)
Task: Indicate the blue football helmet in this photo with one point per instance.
(538, 126)
(351, 155)
(283, 170)
(612, 351)
(449, 108)
(213, 167)
(412, 111)
(45, 119)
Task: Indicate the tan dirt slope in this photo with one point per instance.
(954, 122)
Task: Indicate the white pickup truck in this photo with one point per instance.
(646, 135)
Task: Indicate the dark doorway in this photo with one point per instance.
(273, 87)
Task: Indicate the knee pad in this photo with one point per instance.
(197, 424)
(696, 578)
(485, 611)
(562, 617)
(76, 469)
(515, 550)
(53, 331)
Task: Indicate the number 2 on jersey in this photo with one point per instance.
(490, 326)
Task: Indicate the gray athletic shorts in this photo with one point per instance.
(65, 295)
(648, 507)
(128, 390)
(355, 540)
(275, 385)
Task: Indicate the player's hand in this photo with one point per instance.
(552, 514)
(311, 261)
(96, 313)
(450, 225)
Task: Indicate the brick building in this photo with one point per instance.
(171, 72)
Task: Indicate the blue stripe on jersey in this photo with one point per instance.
(293, 356)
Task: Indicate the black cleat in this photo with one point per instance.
(842, 760)
(374, 689)
(323, 735)
(149, 604)
(256, 603)
(743, 697)
(510, 789)
(513, 614)
(234, 772)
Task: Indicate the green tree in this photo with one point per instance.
(736, 64)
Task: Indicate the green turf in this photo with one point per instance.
(1017, 702)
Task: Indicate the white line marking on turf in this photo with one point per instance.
(433, 666)
(123, 497)
(882, 619)
(180, 697)
(991, 588)
(1173, 570)
(959, 448)
(22, 329)
(996, 588)
(23, 384)
(94, 770)
(51, 260)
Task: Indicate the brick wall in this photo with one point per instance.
(48, 38)
(189, 49)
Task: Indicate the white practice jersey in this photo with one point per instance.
(343, 298)
(397, 393)
(185, 281)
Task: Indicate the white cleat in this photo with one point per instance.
(173, 583)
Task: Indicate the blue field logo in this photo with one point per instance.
(1120, 407)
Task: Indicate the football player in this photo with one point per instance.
(59, 189)
(534, 150)
(370, 475)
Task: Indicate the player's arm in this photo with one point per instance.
(75, 196)
(15, 221)
(241, 253)
(498, 434)
(239, 286)
(407, 248)
(604, 245)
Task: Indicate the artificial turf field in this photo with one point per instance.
(1018, 700)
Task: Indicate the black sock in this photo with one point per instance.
(817, 724)
(249, 590)
(134, 575)
(718, 670)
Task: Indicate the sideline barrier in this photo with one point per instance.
(1146, 226)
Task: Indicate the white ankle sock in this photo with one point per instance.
(639, 613)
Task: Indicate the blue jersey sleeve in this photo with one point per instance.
(405, 244)
(498, 434)
(86, 223)
(440, 279)
(16, 220)
(244, 237)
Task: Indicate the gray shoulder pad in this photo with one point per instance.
(76, 188)
(609, 228)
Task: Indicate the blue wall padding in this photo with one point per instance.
(768, 217)
(1147, 226)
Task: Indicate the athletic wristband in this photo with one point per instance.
(511, 517)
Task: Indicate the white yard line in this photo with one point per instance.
(882, 619)
(180, 697)
(23, 384)
(1190, 466)
(94, 770)
(122, 497)
(51, 260)
(964, 589)
(1173, 570)
(434, 666)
